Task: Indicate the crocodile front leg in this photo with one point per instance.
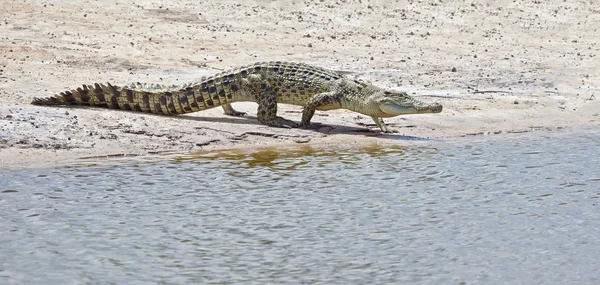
(381, 125)
(267, 104)
(322, 102)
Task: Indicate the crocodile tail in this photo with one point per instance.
(171, 102)
(100, 95)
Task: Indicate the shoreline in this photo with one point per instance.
(19, 158)
(497, 68)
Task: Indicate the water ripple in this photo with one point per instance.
(515, 209)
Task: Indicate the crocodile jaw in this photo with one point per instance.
(407, 108)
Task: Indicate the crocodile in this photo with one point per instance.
(266, 83)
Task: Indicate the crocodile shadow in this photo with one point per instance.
(326, 129)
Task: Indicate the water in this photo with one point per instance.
(509, 209)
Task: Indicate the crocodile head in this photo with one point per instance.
(393, 104)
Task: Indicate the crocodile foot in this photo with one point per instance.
(232, 112)
(311, 126)
(280, 122)
(389, 131)
(235, 113)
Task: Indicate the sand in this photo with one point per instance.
(504, 67)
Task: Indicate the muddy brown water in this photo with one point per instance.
(511, 209)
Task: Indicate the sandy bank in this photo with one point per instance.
(496, 68)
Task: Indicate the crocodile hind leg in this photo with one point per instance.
(267, 111)
(267, 104)
(228, 109)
